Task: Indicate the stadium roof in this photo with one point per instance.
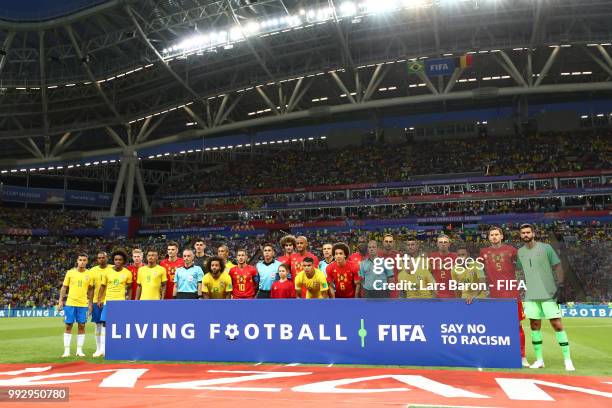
(43, 10)
(122, 75)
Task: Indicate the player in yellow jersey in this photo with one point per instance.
(116, 285)
(97, 275)
(312, 279)
(216, 284)
(151, 279)
(468, 273)
(79, 284)
(418, 281)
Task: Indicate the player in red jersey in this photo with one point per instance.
(287, 244)
(137, 263)
(343, 275)
(170, 264)
(440, 265)
(301, 244)
(388, 251)
(244, 277)
(362, 251)
(500, 267)
(283, 288)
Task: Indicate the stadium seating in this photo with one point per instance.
(386, 163)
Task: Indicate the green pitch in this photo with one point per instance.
(39, 340)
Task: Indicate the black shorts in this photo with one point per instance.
(376, 294)
(186, 295)
(263, 294)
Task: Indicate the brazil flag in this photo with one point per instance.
(415, 67)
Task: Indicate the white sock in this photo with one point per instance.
(67, 340)
(98, 331)
(80, 342)
(102, 340)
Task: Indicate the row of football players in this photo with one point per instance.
(298, 273)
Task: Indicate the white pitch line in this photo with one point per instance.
(292, 364)
(257, 364)
(330, 365)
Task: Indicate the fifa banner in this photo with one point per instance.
(116, 227)
(31, 312)
(585, 310)
(352, 331)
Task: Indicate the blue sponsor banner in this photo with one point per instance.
(184, 231)
(55, 196)
(439, 66)
(116, 227)
(355, 331)
(31, 312)
(586, 310)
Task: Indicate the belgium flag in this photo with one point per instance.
(465, 61)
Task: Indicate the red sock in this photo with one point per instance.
(522, 334)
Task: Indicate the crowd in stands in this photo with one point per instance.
(438, 209)
(31, 269)
(55, 221)
(589, 251)
(386, 163)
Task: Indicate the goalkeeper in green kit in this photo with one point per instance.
(543, 295)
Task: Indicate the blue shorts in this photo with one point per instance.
(72, 313)
(103, 314)
(96, 314)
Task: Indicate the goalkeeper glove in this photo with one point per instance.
(560, 294)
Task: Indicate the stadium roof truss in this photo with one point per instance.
(125, 75)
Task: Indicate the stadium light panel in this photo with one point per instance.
(414, 3)
(347, 9)
(377, 6)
